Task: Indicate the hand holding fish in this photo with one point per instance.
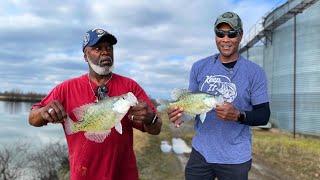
(141, 113)
(227, 112)
(187, 105)
(175, 115)
(53, 112)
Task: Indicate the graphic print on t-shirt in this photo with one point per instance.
(220, 85)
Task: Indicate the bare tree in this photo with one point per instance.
(13, 160)
(50, 161)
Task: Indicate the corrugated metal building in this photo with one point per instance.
(290, 55)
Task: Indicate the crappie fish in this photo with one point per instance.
(97, 119)
(193, 103)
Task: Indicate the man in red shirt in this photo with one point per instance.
(114, 157)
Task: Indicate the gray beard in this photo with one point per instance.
(100, 70)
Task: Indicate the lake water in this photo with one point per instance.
(14, 126)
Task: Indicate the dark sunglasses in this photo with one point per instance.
(102, 92)
(230, 34)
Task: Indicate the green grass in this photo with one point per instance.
(299, 157)
(152, 163)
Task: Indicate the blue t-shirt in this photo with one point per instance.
(244, 85)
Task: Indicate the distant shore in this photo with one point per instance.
(20, 98)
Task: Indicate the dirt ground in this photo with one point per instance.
(276, 155)
(260, 169)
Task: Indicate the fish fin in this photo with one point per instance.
(178, 93)
(123, 104)
(97, 137)
(162, 109)
(162, 102)
(163, 106)
(68, 124)
(118, 127)
(187, 117)
(203, 117)
(79, 111)
(131, 98)
(219, 100)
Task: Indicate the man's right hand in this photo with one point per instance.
(175, 115)
(53, 112)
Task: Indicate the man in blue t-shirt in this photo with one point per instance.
(222, 143)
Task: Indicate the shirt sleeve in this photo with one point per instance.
(193, 84)
(53, 95)
(259, 90)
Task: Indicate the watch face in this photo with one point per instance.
(242, 117)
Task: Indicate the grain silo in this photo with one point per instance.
(286, 43)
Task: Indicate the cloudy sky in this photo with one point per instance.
(157, 40)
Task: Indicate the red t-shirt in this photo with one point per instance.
(112, 159)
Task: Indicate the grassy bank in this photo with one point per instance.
(152, 163)
(298, 158)
(282, 155)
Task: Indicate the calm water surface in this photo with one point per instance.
(14, 125)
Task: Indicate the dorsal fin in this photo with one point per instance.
(118, 127)
(78, 112)
(177, 94)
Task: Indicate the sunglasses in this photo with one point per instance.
(230, 34)
(102, 92)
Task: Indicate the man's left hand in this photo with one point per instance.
(141, 113)
(227, 111)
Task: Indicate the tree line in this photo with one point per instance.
(19, 95)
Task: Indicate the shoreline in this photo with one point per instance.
(20, 98)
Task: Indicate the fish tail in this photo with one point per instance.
(163, 116)
(69, 126)
(163, 111)
(162, 107)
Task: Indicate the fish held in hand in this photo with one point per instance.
(192, 103)
(97, 119)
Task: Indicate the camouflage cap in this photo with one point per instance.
(230, 18)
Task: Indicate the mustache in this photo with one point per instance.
(108, 58)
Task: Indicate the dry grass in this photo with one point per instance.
(299, 157)
(152, 163)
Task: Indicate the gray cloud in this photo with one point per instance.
(157, 41)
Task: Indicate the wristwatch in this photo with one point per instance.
(154, 120)
(242, 117)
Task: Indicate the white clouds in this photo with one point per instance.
(26, 20)
(157, 40)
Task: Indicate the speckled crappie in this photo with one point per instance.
(193, 103)
(97, 119)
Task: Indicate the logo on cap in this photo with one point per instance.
(227, 15)
(86, 38)
(100, 32)
(94, 35)
(230, 18)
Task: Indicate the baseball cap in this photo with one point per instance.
(230, 18)
(93, 36)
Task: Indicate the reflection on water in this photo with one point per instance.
(15, 126)
(16, 107)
